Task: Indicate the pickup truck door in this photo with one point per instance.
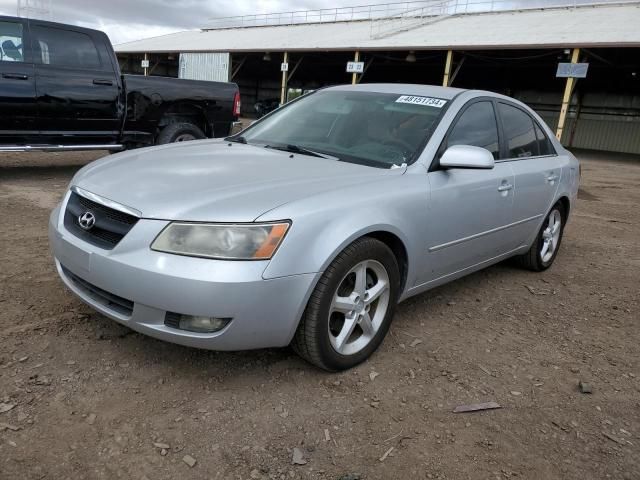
(77, 86)
(17, 84)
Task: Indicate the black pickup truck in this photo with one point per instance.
(61, 89)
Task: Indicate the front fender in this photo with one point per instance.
(323, 226)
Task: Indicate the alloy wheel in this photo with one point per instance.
(358, 307)
(551, 236)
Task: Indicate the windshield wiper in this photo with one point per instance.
(292, 148)
(235, 139)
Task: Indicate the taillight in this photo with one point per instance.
(236, 104)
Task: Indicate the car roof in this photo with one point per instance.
(447, 93)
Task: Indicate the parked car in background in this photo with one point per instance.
(312, 224)
(262, 107)
(61, 88)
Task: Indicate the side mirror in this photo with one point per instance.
(466, 156)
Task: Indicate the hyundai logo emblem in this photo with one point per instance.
(87, 220)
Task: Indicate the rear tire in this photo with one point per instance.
(179, 132)
(351, 308)
(547, 243)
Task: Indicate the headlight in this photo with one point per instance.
(230, 242)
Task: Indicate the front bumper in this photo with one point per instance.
(147, 284)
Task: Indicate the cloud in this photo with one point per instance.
(126, 20)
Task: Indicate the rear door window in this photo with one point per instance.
(519, 132)
(64, 48)
(477, 127)
(11, 49)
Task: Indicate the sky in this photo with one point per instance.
(126, 20)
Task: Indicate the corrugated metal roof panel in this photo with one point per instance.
(615, 25)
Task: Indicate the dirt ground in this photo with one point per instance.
(84, 398)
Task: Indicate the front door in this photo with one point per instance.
(469, 214)
(76, 86)
(17, 85)
(469, 209)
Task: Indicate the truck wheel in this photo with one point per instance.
(179, 132)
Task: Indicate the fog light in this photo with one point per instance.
(198, 324)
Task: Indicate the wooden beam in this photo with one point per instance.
(238, 67)
(598, 57)
(354, 76)
(447, 68)
(154, 67)
(295, 67)
(366, 67)
(456, 71)
(574, 125)
(566, 99)
(283, 91)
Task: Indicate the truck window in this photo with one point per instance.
(11, 42)
(64, 48)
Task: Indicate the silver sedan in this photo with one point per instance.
(308, 227)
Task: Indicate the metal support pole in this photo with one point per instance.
(146, 69)
(283, 91)
(354, 76)
(566, 99)
(447, 68)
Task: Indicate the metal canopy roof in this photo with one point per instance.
(589, 26)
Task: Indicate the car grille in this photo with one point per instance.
(108, 300)
(110, 225)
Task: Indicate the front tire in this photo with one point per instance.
(351, 308)
(547, 244)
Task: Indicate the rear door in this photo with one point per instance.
(76, 86)
(17, 84)
(536, 167)
(469, 209)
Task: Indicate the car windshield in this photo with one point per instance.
(369, 128)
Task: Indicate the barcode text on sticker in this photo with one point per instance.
(426, 101)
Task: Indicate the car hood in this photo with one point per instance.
(217, 181)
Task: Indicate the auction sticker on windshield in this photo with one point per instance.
(426, 101)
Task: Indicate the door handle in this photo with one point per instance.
(552, 178)
(505, 188)
(15, 76)
(100, 81)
